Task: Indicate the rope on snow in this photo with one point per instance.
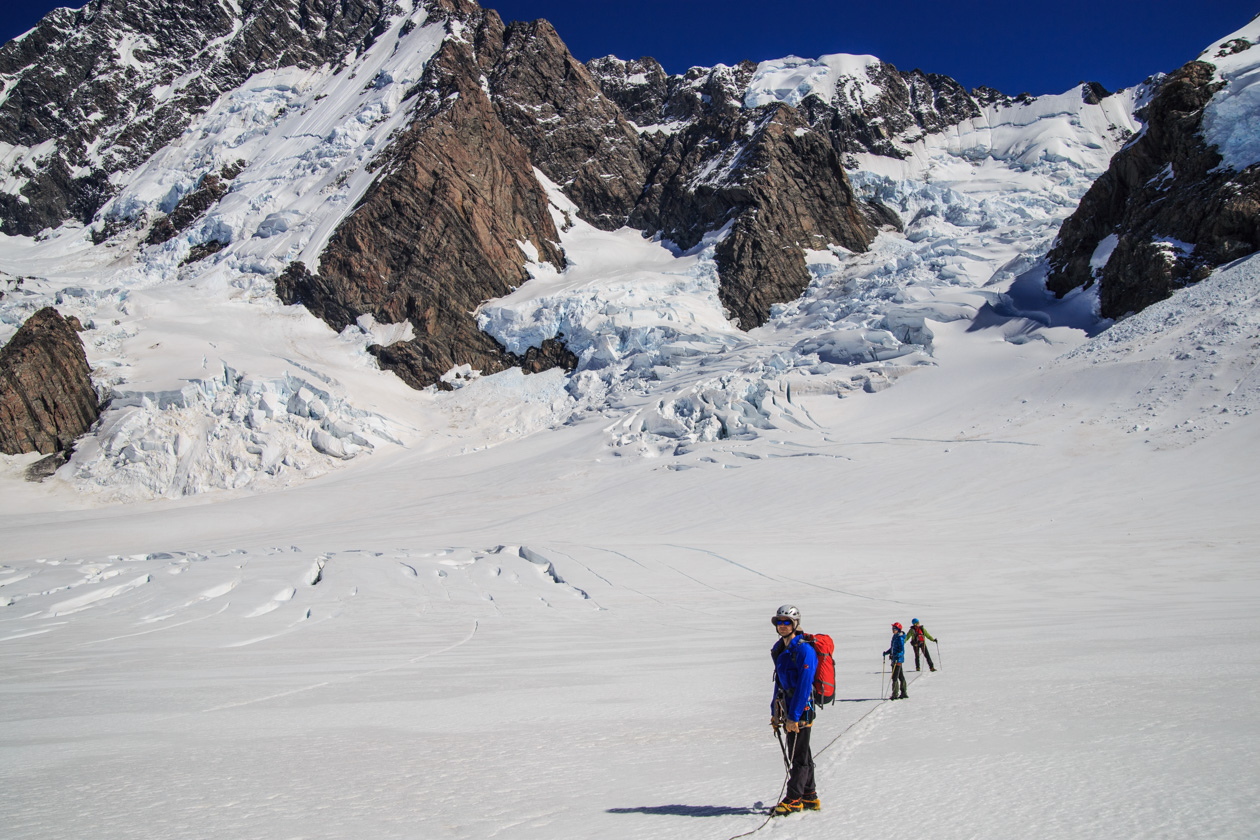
(843, 732)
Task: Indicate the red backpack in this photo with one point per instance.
(825, 675)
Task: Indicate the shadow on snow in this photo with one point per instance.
(689, 810)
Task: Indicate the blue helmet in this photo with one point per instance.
(914, 621)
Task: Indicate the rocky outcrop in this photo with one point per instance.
(551, 354)
(641, 89)
(1174, 211)
(94, 92)
(657, 103)
(439, 232)
(876, 113)
(549, 102)
(779, 185)
(46, 394)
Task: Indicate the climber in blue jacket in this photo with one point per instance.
(897, 651)
(793, 708)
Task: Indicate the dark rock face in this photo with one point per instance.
(549, 102)
(46, 394)
(436, 234)
(780, 186)
(648, 97)
(105, 77)
(1161, 190)
(639, 88)
(914, 102)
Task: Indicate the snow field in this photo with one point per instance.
(1078, 591)
(638, 710)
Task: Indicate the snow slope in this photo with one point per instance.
(578, 643)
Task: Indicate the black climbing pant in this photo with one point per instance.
(801, 778)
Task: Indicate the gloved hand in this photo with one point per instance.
(792, 726)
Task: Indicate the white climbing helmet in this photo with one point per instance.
(787, 611)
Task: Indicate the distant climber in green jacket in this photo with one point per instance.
(916, 637)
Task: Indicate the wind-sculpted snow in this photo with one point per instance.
(1056, 129)
(187, 579)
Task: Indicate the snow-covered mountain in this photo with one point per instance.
(1182, 198)
(400, 171)
(592, 367)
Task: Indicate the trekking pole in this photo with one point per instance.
(883, 661)
(938, 655)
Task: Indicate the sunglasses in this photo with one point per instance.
(780, 622)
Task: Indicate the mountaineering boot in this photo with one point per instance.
(809, 802)
(787, 806)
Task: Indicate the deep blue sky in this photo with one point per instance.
(1014, 46)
